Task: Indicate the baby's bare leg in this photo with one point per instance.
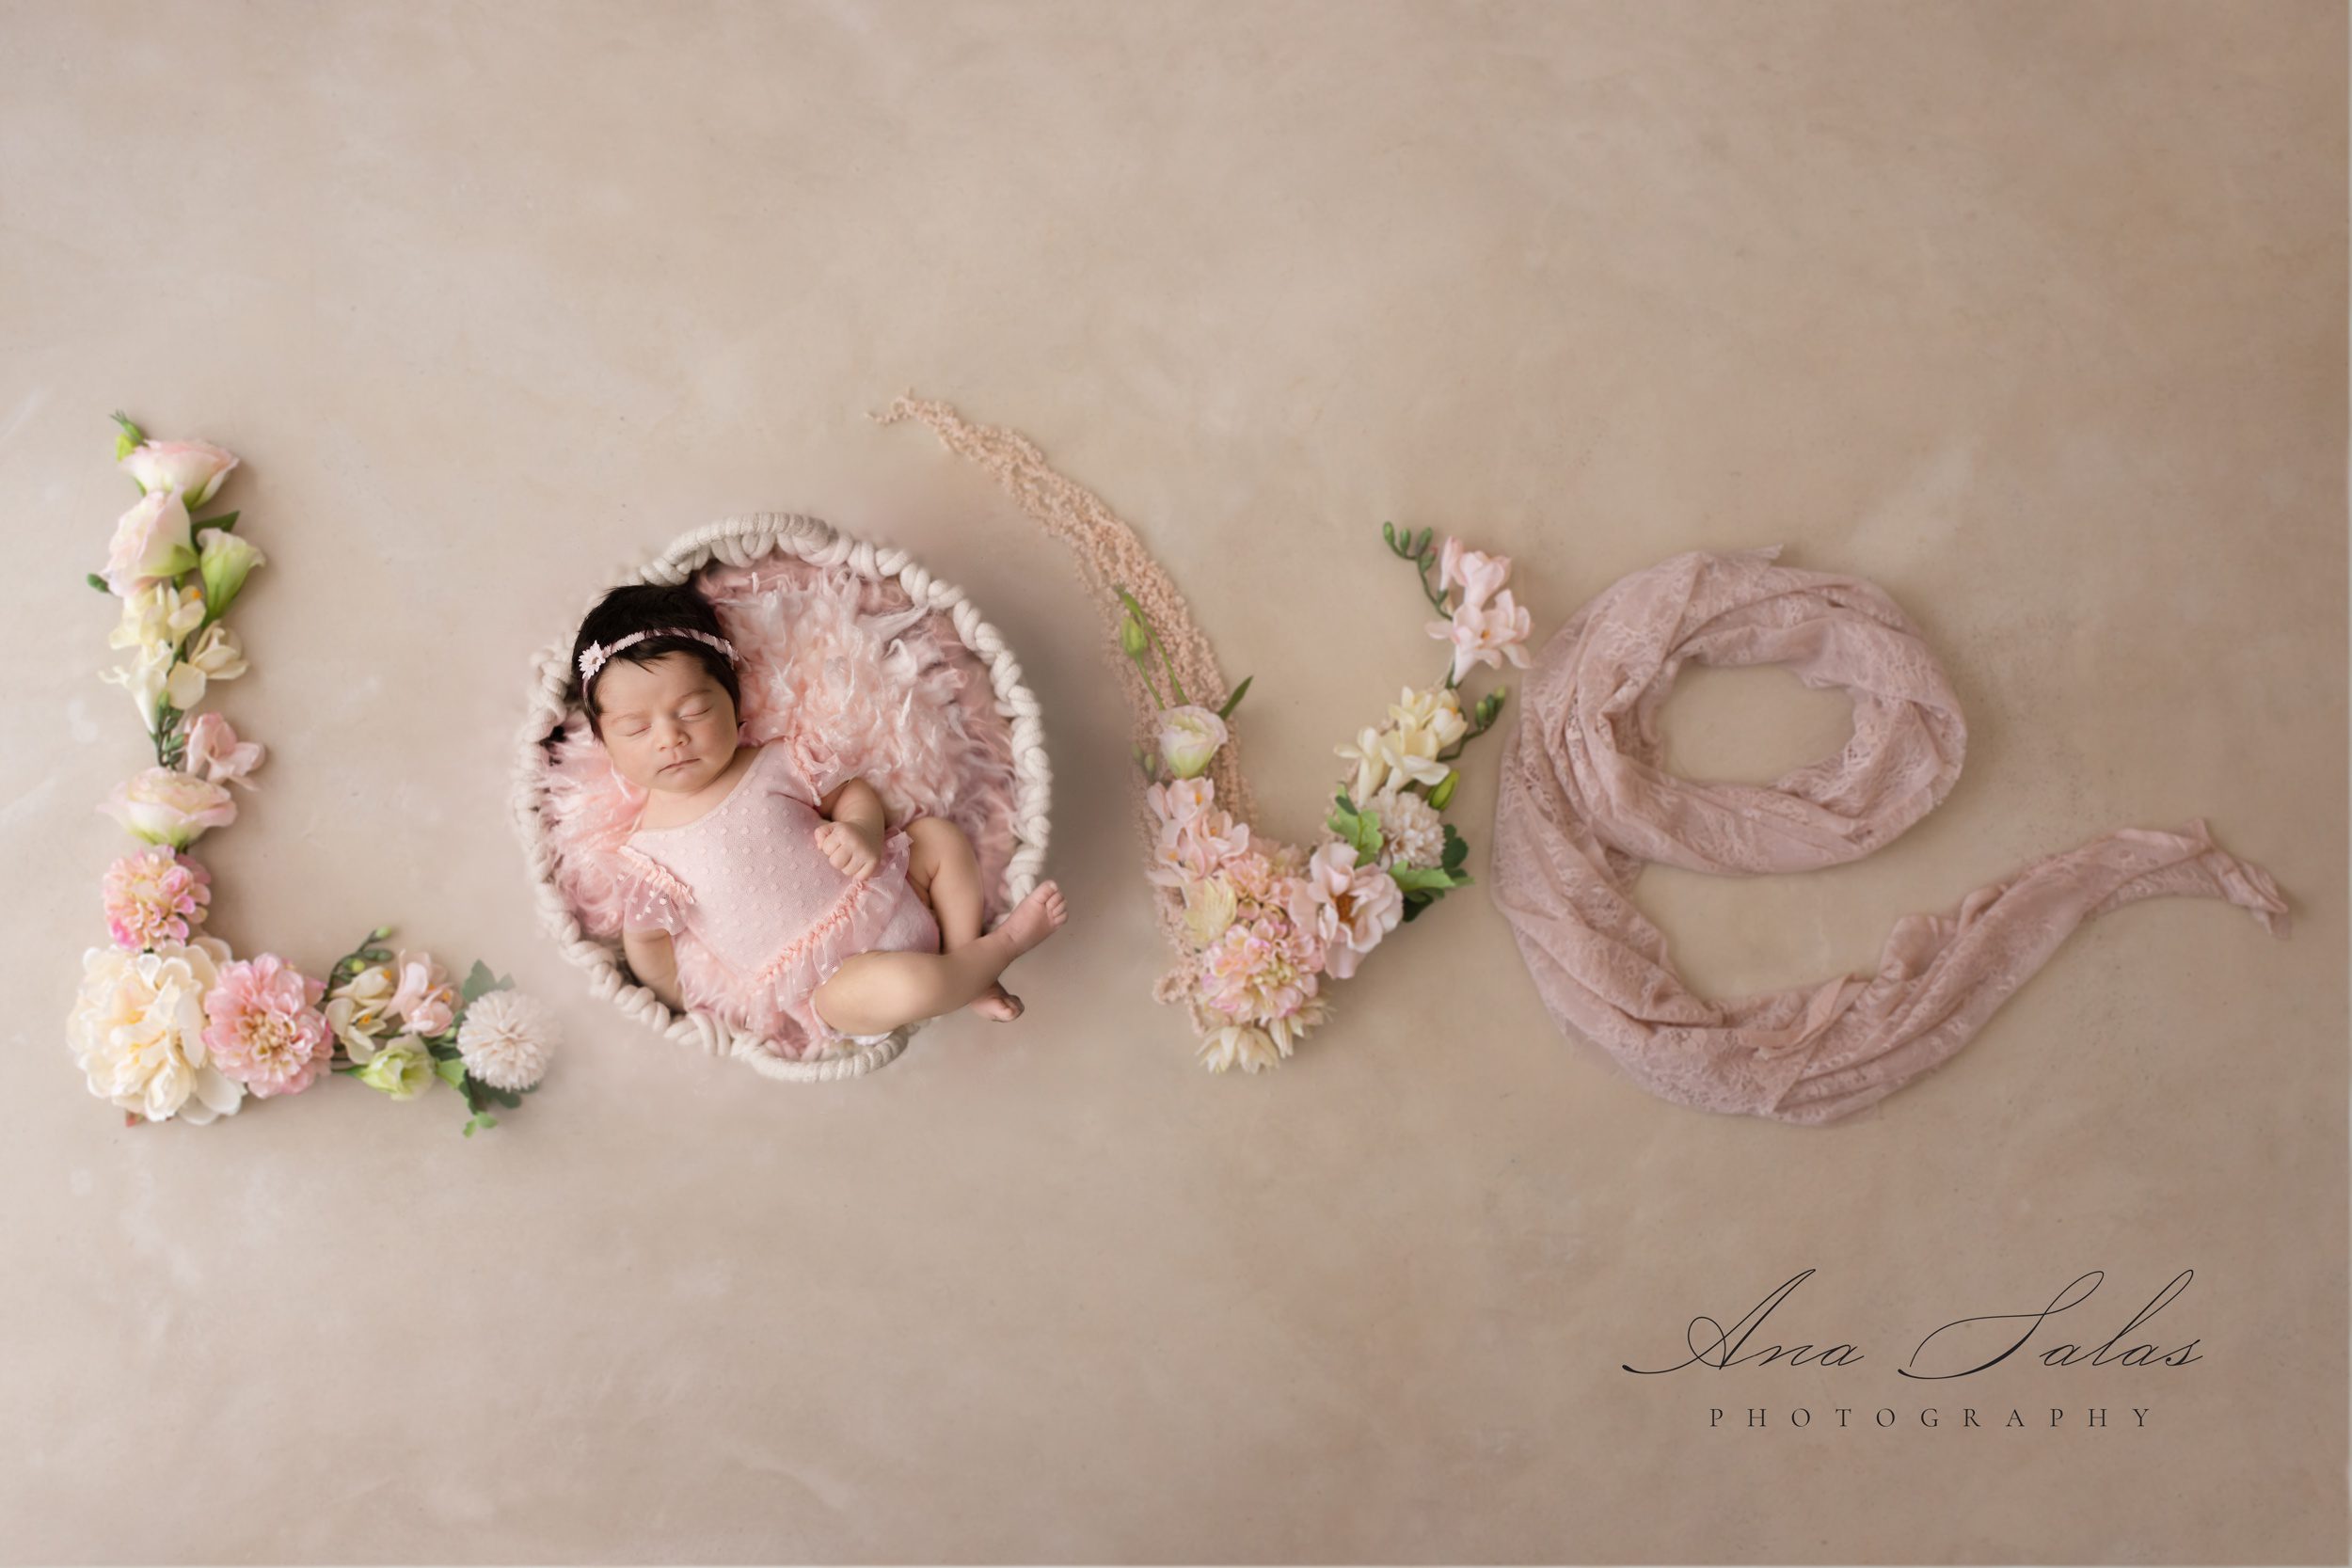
(946, 874)
(874, 992)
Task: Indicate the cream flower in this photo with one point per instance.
(150, 544)
(506, 1039)
(159, 613)
(401, 1068)
(195, 468)
(147, 680)
(1371, 765)
(1438, 710)
(217, 656)
(359, 1010)
(1412, 834)
(1240, 1045)
(1410, 752)
(138, 1031)
(1209, 906)
(163, 805)
(1190, 736)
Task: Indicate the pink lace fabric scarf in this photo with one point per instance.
(1584, 806)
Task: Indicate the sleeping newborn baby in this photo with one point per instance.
(807, 917)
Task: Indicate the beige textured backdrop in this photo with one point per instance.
(2033, 313)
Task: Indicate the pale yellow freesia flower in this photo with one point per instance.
(145, 678)
(1412, 752)
(158, 613)
(1372, 766)
(1438, 710)
(358, 1009)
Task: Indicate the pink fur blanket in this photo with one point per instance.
(827, 655)
(1584, 805)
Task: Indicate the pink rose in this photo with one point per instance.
(1349, 908)
(150, 544)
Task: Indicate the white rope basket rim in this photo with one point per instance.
(741, 541)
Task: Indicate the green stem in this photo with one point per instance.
(1154, 637)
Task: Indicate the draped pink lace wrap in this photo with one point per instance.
(1583, 805)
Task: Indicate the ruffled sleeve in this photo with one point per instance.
(814, 766)
(652, 899)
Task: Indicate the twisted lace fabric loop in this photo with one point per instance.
(1585, 804)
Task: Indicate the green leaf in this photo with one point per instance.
(485, 1119)
(1361, 831)
(478, 980)
(1417, 879)
(1231, 703)
(507, 1097)
(452, 1071)
(98, 582)
(225, 521)
(1456, 848)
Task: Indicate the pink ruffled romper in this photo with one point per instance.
(757, 917)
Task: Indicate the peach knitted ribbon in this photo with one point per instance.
(1583, 805)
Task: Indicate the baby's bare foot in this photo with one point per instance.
(996, 1003)
(1032, 920)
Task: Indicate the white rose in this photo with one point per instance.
(194, 467)
(163, 805)
(1190, 736)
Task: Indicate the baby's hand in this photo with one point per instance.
(851, 847)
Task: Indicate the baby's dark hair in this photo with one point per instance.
(643, 607)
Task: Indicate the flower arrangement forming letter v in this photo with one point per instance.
(1260, 924)
(168, 1024)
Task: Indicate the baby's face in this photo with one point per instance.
(667, 725)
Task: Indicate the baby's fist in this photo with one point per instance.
(848, 849)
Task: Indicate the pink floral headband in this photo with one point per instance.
(591, 657)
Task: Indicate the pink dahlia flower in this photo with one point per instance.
(265, 1028)
(154, 897)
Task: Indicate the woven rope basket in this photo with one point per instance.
(741, 542)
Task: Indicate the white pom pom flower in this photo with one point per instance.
(506, 1039)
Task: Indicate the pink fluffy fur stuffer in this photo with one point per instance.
(826, 658)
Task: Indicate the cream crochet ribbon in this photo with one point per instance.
(1585, 804)
(739, 542)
